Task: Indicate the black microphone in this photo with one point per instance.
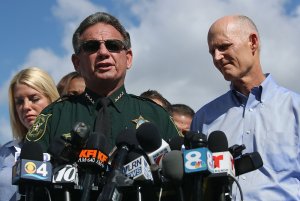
(65, 149)
(116, 179)
(93, 158)
(150, 140)
(30, 172)
(194, 140)
(236, 150)
(247, 162)
(176, 142)
(148, 137)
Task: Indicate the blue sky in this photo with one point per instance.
(168, 37)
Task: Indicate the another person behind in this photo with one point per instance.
(182, 115)
(157, 98)
(71, 84)
(102, 55)
(30, 91)
(255, 112)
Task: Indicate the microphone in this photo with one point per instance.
(247, 162)
(172, 166)
(138, 169)
(223, 160)
(65, 149)
(236, 150)
(198, 160)
(194, 139)
(93, 158)
(219, 184)
(65, 177)
(151, 142)
(176, 143)
(125, 142)
(30, 171)
(172, 170)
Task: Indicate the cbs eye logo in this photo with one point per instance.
(38, 168)
(30, 168)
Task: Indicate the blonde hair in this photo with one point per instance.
(64, 83)
(37, 79)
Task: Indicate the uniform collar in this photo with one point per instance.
(116, 98)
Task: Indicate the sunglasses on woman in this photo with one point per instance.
(92, 46)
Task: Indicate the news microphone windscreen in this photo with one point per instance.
(81, 129)
(176, 142)
(80, 133)
(148, 137)
(172, 166)
(194, 139)
(134, 154)
(127, 137)
(56, 147)
(98, 141)
(31, 151)
(217, 142)
(247, 163)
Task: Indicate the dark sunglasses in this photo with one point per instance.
(92, 46)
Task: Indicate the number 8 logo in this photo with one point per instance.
(192, 159)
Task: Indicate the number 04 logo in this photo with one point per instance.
(30, 168)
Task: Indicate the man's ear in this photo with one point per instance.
(75, 60)
(254, 42)
(129, 58)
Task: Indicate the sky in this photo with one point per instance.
(169, 44)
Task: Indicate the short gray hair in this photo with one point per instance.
(99, 17)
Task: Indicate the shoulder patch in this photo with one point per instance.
(38, 129)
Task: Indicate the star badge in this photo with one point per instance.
(139, 121)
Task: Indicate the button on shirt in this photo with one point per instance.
(266, 121)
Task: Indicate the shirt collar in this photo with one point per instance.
(14, 144)
(269, 86)
(261, 92)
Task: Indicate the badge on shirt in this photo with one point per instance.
(38, 129)
(139, 121)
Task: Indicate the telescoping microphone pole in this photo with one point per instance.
(65, 152)
(116, 178)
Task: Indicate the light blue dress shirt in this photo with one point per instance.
(268, 122)
(7, 160)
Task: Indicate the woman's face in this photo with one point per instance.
(29, 103)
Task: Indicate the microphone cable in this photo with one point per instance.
(239, 187)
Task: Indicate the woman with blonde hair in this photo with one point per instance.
(30, 91)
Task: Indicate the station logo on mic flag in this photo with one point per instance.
(196, 160)
(223, 163)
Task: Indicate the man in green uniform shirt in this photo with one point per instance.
(102, 56)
